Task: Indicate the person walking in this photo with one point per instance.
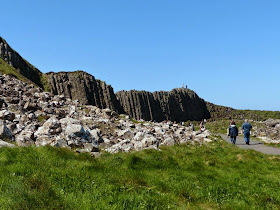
(246, 128)
(233, 132)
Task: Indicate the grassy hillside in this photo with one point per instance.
(7, 69)
(222, 112)
(201, 177)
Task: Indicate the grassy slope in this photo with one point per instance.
(215, 176)
(222, 112)
(7, 69)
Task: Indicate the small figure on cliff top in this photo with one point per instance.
(186, 86)
(183, 85)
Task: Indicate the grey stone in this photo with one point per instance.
(5, 133)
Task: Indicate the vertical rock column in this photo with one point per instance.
(85, 88)
(176, 105)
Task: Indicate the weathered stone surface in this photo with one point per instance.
(5, 144)
(63, 119)
(177, 105)
(25, 138)
(268, 131)
(84, 87)
(15, 60)
(5, 133)
(7, 115)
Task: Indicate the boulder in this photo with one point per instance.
(5, 133)
(25, 138)
(168, 141)
(7, 115)
(77, 136)
(149, 140)
(5, 144)
(31, 106)
(125, 134)
(51, 127)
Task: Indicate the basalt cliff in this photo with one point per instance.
(19, 64)
(84, 87)
(177, 105)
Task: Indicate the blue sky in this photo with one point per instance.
(228, 51)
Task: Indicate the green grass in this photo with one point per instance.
(136, 121)
(256, 114)
(214, 176)
(7, 69)
(272, 144)
(222, 112)
(220, 126)
(45, 83)
(42, 118)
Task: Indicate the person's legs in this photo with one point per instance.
(247, 138)
(233, 139)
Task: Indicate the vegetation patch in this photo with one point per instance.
(42, 118)
(222, 112)
(216, 175)
(7, 69)
(45, 83)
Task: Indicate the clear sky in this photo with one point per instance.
(228, 51)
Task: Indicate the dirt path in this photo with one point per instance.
(255, 145)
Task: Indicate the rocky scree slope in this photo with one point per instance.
(268, 131)
(30, 116)
(177, 105)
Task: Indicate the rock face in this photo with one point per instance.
(85, 88)
(177, 105)
(40, 118)
(14, 59)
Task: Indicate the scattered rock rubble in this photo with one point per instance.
(268, 131)
(30, 116)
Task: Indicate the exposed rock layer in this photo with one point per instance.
(14, 59)
(177, 105)
(85, 88)
(38, 118)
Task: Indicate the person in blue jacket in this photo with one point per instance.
(246, 127)
(233, 132)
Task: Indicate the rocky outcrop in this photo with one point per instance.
(85, 88)
(268, 131)
(40, 118)
(11, 57)
(177, 105)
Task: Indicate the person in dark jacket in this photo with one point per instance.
(233, 132)
(246, 127)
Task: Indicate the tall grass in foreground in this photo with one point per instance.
(217, 175)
